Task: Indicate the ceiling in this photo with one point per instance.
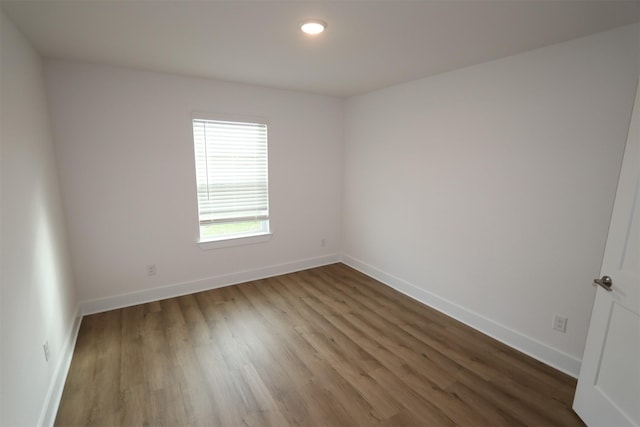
(368, 44)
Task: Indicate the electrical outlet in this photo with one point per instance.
(323, 242)
(45, 347)
(560, 323)
(151, 270)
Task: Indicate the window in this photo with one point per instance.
(231, 178)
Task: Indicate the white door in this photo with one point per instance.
(608, 392)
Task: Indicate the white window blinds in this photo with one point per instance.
(231, 171)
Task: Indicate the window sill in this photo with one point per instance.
(234, 241)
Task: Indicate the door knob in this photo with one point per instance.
(605, 282)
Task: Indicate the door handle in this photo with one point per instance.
(605, 282)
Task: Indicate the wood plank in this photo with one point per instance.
(322, 347)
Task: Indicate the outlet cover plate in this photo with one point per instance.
(560, 323)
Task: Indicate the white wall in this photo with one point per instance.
(124, 143)
(37, 295)
(487, 191)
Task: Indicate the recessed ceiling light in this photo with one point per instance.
(313, 26)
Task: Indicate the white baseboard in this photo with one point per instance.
(530, 346)
(155, 294)
(54, 394)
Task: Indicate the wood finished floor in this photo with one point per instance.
(322, 347)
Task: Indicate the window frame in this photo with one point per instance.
(223, 241)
